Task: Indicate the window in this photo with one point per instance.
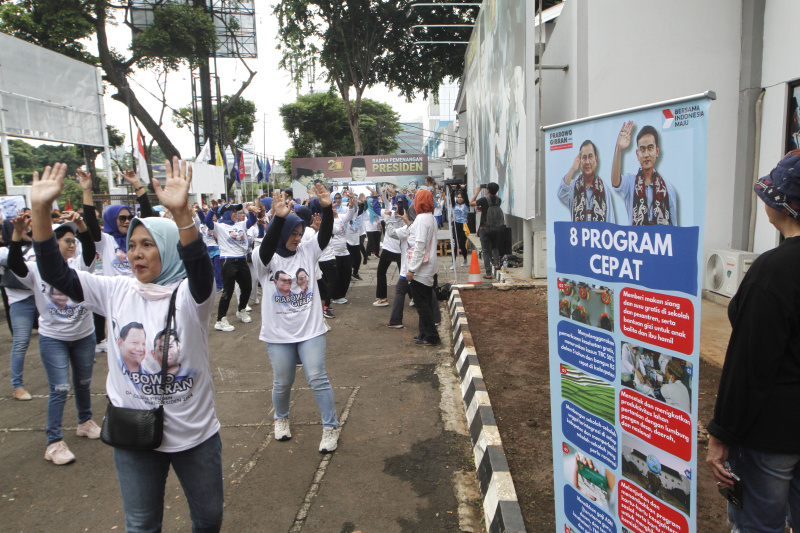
(793, 118)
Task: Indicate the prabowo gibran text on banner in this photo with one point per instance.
(626, 198)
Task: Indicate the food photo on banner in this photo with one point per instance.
(402, 171)
(626, 195)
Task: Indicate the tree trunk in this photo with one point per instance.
(353, 112)
(89, 155)
(115, 74)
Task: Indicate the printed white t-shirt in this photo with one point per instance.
(114, 258)
(17, 295)
(390, 244)
(288, 312)
(60, 318)
(232, 239)
(189, 409)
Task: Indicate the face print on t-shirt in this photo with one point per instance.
(293, 292)
(237, 236)
(60, 305)
(120, 262)
(144, 372)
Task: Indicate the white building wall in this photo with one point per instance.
(778, 70)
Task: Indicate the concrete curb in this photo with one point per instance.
(500, 506)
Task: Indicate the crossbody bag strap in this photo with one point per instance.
(167, 336)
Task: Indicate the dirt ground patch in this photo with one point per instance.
(509, 329)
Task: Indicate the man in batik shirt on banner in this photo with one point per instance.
(648, 198)
(587, 197)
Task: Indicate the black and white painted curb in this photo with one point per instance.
(500, 506)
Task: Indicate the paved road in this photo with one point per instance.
(403, 457)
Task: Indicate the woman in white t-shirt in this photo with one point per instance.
(291, 322)
(165, 256)
(66, 334)
(422, 267)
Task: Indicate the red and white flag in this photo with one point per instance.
(141, 162)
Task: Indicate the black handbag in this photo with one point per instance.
(140, 429)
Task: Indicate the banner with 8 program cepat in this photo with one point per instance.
(626, 196)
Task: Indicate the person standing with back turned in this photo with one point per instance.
(492, 222)
(755, 430)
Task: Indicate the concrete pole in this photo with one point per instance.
(527, 249)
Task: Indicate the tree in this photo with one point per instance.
(238, 118)
(27, 158)
(367, 42)
(317, 124)
(179, 35)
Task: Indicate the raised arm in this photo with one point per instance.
(145, 209)
(16, 260)
(272, 238)
(175, 197)
(52, 267)
(89, 212)
(623, 141)
(326, 225)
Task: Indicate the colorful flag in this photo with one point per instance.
(221, 156)
(254, 168)
(141, 172)
(260, 175)
(269, 169)
(68, 206)
(235, 167)
(241, 167)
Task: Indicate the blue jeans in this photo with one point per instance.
(770, 487)
(56, 358)
(284, 365)
(23, 317)
(143, 477)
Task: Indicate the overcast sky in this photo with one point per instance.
(269, 90)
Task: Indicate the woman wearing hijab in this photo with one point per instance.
(341, 217)
(21, 310)
(372, 224)
(165, 256)
(422, 267)
(390, 254)
(291, 324)
(66, 334)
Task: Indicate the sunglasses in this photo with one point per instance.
(123, 218)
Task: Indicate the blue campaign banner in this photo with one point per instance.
(637, 255)
(626, 197)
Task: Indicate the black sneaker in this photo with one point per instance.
(326, 313)
(356, 276)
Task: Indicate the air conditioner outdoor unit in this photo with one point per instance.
(725, 270)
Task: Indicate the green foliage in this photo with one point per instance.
(25, 159)
(317, 123)
(179, 34)
(58, 25)
(239, 118)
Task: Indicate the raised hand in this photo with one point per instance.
(175, 194)
(84, 179)
(323, 194)
(279, 205)
(624, 139)
(22, 223)
(316, 221)
(47, 189)
(131, 177)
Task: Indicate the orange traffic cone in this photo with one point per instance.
(474, 270)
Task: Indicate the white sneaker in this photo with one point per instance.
(88, 429)
(282, 429)
(248, 308)
(453, 267)
(380, 302)
(330, 439)
(243, 316)
(412, 304)
(223, 325)
(58, 453)
(256, 301)
(101, 347)
(340, 301)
